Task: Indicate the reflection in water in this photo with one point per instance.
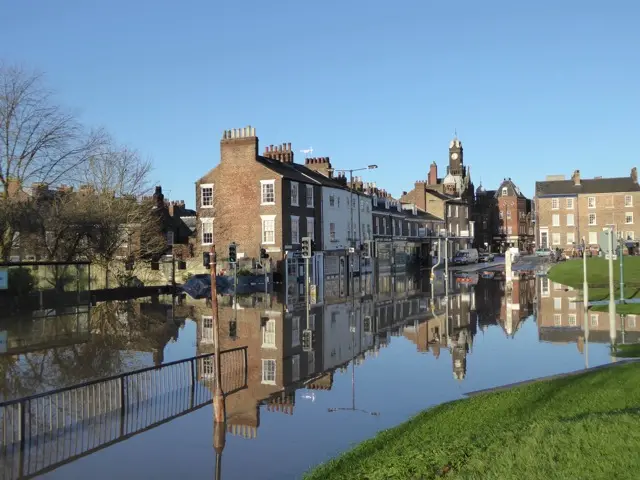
(458, 335)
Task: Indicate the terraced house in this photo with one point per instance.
(569, 210)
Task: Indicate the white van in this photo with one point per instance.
(465, 257)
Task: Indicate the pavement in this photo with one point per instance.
(525, 262)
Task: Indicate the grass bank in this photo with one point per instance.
(584, 426)
(627, 350)
(570, 273)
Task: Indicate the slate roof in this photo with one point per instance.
(587, 185)
(512, 189)
(299, 173)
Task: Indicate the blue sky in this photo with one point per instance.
(533, 88)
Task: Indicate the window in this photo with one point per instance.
(332, 232)
(632, 321)
(311, 362)
(557, 303)
(384, 226)
(557, 286)
(311, 230)
(207, 231)
(592, 219)
(295, 230)
(310, 199)
(594, 320)
(555, 219)
(569, 203)
(269, 334)
(206, 195)
(362, 205)
(206, 336)
(295, 368)
(448, 210)
(544, 286)
(457, 211)
(557, 319)
(591, 202)
(268, 229)
(268, 372)
(170, 238)
(555, 239)
(332, 201)
(628, 201)
(295, 332)
(630, 236)
(593, 238)
(572, 320)
(555, 203)
(628, 218)
(501, 214)
(505, 192)
(570, 220)
(295, 198)
(509, 230)
(572, 303)
(508, 214)
(571, 238)
(377, 225)
(268, 188)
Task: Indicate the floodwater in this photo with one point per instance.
(375, 361)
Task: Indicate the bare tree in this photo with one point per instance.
(39, 141)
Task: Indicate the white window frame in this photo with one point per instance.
(569, 203)
(556, 238)
(555, 220)
(557, 319)
(572, 320)
(509, 230)
(505, 191)
(203, 222)
(332, 232)
(311, 227)
(630, 235)
(263, 185)
(557, 303)
(571, 238)
(573, 305)
(263, 219)
(595, 219)
(632, 321)
(206, 335)
(571, 217)
(295, 194)
(628, 200)
(203, 187)
(627, 216)
(310, 200)
(593, 323)
(266, 372)
(295, 331)
(555, 204)
(295, 232)
(591, 202)
(593, 235)
(269, 334)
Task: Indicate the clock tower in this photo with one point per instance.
(455, 157)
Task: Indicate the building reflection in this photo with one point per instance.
(560, 316)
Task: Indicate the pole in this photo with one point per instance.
(219, 410)
(585, 290)
(352, 242)
(621, 259)
(446, 262)
(306, 290)
(612, 293)
(219, 442)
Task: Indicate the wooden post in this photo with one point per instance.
(219, 410)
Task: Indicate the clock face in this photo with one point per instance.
(454, 156)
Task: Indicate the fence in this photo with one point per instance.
(42, 432)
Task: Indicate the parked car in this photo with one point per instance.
(544, 252)
(465, 257)
(486, 257)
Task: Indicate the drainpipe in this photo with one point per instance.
(433, 275)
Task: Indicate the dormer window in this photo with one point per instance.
(504, 191)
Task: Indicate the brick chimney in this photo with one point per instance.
(634, 175)
(282, 153)
(341, 178)
(433, 174)
(576, 178)
(158, 197)
(176, 207)
(239, 145)
(322, 165)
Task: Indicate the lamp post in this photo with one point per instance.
(351, 229)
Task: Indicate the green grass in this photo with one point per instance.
(570, 273)
(584, 426)
(627, 350)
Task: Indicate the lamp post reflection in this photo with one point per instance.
(219, 442)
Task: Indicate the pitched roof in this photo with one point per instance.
(589, 185)
(299, 173)
(512, 189)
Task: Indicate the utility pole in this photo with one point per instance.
(585, 289)
(219, 410)
(612, 292)
(621, 259)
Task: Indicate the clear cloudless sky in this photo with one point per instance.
(533, 88)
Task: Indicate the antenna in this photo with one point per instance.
(307, 152)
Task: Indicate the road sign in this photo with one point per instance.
(4, 278)
(604, 241)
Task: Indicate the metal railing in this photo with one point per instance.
(44, 431)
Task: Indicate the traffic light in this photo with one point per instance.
(307, 340)
(233, 255)
(263, 253)
(206, 259)
(306, 247)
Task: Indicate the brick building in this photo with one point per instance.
(515, 228)
(568, 210)
(450, 198)
(484, 214)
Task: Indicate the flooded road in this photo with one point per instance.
(374, 362)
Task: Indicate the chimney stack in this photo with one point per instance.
(576, 178)
(634, 175)
(239, 145)
(322, 165)
(433, 174)
(281, 153)
(158, 197)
